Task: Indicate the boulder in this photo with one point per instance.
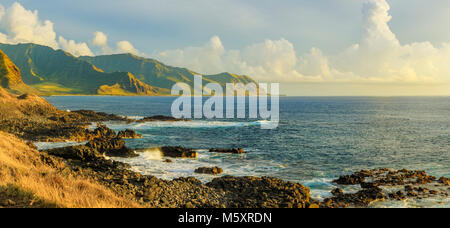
(178, 152)
(213, 171)
(444, 180)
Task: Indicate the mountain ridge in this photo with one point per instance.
(158, 74)
(56, 72)
(59, 70)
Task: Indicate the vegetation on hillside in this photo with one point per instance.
(10, 77)
(56, 72)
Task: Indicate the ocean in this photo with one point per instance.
(318, 139)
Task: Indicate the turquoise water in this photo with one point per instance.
(317, 140)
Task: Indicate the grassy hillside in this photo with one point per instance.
(43, 67)
(157, 74)
(56, 72)
(28, 180)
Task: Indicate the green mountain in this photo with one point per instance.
(156, 73)
(58, 72)
(11, 78)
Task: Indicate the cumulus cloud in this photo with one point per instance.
(23, 26)
(101, 40)
(378, 57)
(126, 47)
(76, 49)
(269, 60)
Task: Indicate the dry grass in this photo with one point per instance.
(22, 170)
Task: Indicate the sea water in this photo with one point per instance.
(318, 138)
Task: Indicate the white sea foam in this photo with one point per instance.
(151, 154)
(182, 124)
(150, 162)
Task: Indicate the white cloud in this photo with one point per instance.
(76, 49)
(2, 11)
(206, 58)
(3, 38)
(100, 39)
(126, 47)
(23, 26)
(269, 60)
(378, 57)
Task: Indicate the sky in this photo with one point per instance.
(313, 48)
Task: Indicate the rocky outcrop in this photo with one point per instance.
(102, 131)
(91, 116)
(226, 192)
(444, 180)
(160, 118)
(112, 147)
(128, 134)
(102, 141)
(82, 153)
(383, 184)
(178, 152)
(212, 171)
(266, 192)
(229, 151)
(359, 199)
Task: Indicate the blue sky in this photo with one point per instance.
(164, 24)
(305, 39)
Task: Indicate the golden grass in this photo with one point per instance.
(52, 88)
(21, 167)
(115, 90)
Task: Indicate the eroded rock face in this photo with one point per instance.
(229, 151)
(383, 184)
(211, 171)
(178, 152)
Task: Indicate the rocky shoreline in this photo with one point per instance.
(234, 192)
(44, 123)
